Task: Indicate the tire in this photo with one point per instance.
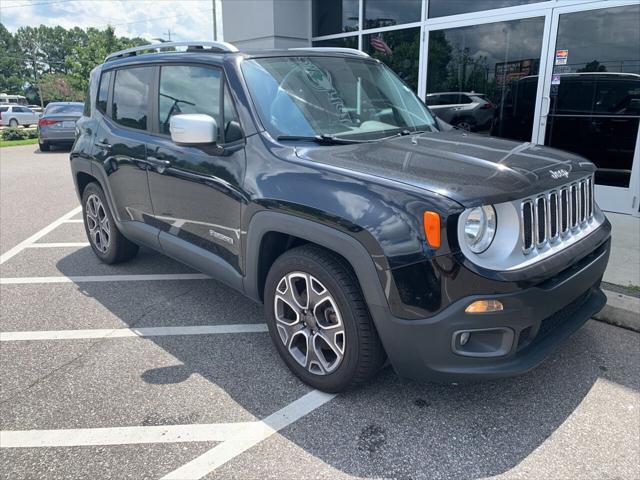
(466, 124)
(13, 123)
(105, 239)
(337, 311)
(44, 147)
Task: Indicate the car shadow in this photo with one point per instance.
(53, 149)
(391, 427)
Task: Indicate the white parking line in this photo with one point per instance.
(74, 220)
(58, 245)
(36, 236)
(212, 432)
(257, 432)
(132, 332)
(104, 278)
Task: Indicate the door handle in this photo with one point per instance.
(158, 162)
(102, 145)
(545, 108)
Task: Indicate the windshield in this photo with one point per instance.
(66, 108)
(341, 97)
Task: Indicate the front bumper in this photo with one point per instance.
(509, 342)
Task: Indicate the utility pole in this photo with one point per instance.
(168, 34)
(214, 20)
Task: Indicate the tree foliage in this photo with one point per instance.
(54, 62)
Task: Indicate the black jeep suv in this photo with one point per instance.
(316, 182)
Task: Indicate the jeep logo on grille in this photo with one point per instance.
(559, 173)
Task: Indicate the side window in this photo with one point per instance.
(103, 92)
(188, 89)
(432, 100)
(232, 130)
(131, 97)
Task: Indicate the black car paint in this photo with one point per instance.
(363, 201)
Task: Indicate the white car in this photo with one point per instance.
(14, 115)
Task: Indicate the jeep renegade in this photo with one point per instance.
(316, 182)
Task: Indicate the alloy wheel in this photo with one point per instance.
(309, 323)
(98, 223)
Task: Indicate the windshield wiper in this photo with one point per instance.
(322, 139)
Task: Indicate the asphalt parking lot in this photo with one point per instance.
(149, 370)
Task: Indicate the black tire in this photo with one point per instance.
(44, 147)
(119, 249)
(13, 123)
(363, 351)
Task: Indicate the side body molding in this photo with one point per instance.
(332, 239)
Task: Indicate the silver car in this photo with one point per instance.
(466, 110)
(57, 125)
(14, 115)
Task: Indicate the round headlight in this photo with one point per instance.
(480, 228)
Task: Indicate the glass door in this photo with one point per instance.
(591, 95)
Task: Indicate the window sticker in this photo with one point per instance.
(555, 80)
(561, 57)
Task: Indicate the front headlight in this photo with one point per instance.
(480, 228)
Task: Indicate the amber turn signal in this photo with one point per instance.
(432, 228)
(484, 306)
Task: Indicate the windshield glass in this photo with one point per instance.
(341, 97)
(65, 108)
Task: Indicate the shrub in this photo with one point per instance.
(13, 134)
(31, 133)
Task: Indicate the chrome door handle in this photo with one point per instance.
(158, 162)
(104, 146)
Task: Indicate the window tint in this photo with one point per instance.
(20, 110)
(384, 13)
(103, 92)
(72, 108)
(131, 97)
(441, 8)
(432, 99)
(335, 16)
(4, 109)
(232, 130)
(187, 89)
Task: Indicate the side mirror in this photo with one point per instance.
(193, 128)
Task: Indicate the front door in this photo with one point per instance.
(591, 99)
(196, 189)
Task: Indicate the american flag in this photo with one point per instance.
(380, 45)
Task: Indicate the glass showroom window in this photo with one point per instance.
(344, 42)
(385, 13)
(483, 78)
(335, 16)
(399, 50)
(442, 8)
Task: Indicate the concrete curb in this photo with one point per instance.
(621, 311)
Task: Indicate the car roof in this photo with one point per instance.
(64, 103)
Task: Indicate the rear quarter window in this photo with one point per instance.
(130, 103)
(103, 92)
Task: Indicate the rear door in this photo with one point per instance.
(196, 189)
(120, 141)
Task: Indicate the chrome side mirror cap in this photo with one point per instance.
(193, 128)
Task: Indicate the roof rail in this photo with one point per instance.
(352, 51)
(211, 46)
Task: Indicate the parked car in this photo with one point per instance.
(469, 111)
(57, 125)
(14, 115)
(13, 99)
(316, 182)
(36, 108)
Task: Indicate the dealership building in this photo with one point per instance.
(564, 73)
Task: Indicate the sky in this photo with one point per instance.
(186, 19)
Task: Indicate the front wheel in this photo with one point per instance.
(13, 123)
(319, 320)
(107, 242)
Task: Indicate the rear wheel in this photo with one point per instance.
(13, 123)
(466, 124)
(107, 242)
(44, 146)
(319, 320)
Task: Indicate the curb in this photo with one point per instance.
(621, 311)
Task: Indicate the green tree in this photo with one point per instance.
(12, 68)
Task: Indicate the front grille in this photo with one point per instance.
(556, 215)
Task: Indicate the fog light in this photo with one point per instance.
(464, 338)
(483, 306)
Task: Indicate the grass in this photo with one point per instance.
(14, 143)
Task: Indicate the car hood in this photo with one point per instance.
(470, 169)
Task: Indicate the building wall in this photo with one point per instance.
(267, 23)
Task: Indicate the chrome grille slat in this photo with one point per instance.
(560, 213)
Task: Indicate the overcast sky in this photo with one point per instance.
(187, 19)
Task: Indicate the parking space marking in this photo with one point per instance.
(104, 278)
(132, 332)
(253, 434)
(74, 220)
(38, 235)
(80, 437)
(58, 245)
